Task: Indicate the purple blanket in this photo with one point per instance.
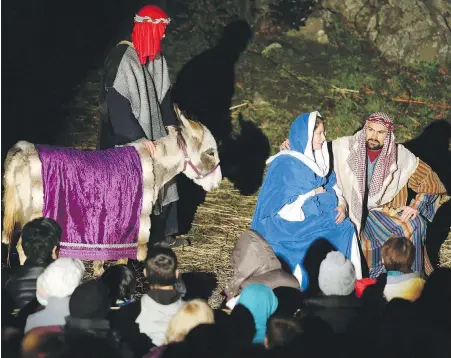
(96, 197)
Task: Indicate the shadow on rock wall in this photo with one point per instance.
(203, 90)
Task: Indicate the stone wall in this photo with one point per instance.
(405, 31)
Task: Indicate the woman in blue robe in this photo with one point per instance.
(300, 201)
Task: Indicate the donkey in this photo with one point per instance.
(189, 148)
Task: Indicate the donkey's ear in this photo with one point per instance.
(183, 120)
(193, 128)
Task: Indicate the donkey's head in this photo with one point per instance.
(201, 153)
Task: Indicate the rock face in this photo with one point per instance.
(404, 31)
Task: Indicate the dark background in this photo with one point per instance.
(48, 48)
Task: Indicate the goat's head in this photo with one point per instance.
(201, 153)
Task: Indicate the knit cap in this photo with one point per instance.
(336, 275)
(90, 300)
(59, 279)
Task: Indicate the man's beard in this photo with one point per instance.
(374, 145)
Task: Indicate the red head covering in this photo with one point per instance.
(150, 25)
(382, 118)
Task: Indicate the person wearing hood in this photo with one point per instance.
(337, 304)
(253, 261)
(54, 288)
(261, 302)
(89, 306)
(300, 201)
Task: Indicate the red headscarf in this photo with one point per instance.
(150, 25)
(382, 118)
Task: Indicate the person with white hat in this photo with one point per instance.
(54, 288)
(338, 305)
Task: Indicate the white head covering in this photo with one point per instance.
(336, 275)
(59, 279)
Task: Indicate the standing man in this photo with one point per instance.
(389, 191)
(135, 103)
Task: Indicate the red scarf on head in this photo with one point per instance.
(150, 25)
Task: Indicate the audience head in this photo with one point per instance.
(204, 340)
(280, 331)
(395, 337)
(315, 255)
(336, 275)
(161, 267)
(290, 301)
(189, 315)
(120, 281)
(41, 341)
(398, 254)
(90, 300)
(59, 279)
(11, 335)
(8, 305)
(240, 326)
(76, 345)
(318, 338)
(438, 285)
(436, 296)
(261, 301)
(40, 240)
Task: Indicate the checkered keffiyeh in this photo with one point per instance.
(358, 158)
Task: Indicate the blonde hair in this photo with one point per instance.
(189, 315)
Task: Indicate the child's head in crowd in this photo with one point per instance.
(77, 345)
(281, 330)
(161, 267)
(120, 281)
(261, 301)
(336, 275)
(59, 279)
(398, 254)
(40, 240)
(189, 315)
(90, 300)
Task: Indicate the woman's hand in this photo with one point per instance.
(150, 146)
(341, 214)
(285, 145)
(319, 190)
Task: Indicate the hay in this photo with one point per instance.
(216, 226)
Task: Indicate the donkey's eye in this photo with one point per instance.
(210, 152)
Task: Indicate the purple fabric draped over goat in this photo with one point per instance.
(96, 197)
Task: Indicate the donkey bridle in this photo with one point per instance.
(182, 144)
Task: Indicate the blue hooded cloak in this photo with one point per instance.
(261, 302)
(290, 174)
